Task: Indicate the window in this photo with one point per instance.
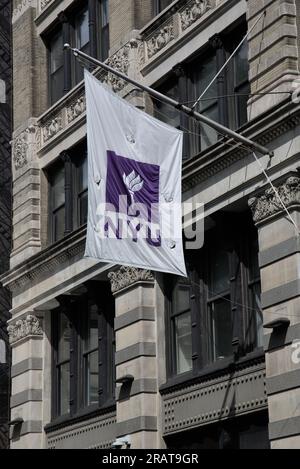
(181, 327)
(82, 190)
(225, 101)
(220, 303)
(82, 39)
(87, 29)
(56, 67)
(160, 5)
(83, 360)
(103, 40)
(57, 202)
(68, 199)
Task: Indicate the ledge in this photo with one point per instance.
(82, 416)
(213, 371)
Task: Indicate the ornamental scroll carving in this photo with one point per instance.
(28, 326)
(193, 11)
(267, 204)
(160, 39)
(126, 276)
(20, 148)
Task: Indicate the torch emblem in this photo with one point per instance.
(133, 182)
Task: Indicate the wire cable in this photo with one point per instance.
(228, 60)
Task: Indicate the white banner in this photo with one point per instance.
(134, 184)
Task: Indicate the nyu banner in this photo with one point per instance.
(134, 185)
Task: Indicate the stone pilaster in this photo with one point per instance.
(26, 193)
(273, 51)
(26, 340)
(279, 257)
(136, 362)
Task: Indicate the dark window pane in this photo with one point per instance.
(221, 325)
(92, 377)
(183, 342)
(91, 340)
(64, 388)
(64, 338)
(82, 29)
(58, 188)
(241, 64)
(58, 221)
(182, 298)
(56, 53)
(256, 312)
(219, 278)
(209, 136)
(56, 69)
(104, 13)
(83, 174)
(83, 208)
(161, 5)
(165, 112)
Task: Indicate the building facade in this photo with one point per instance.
(101, 352)
(5, 211)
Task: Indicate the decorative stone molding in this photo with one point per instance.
(44, 4)
(76, 109)
(51, 128)
(28, 326)
(21, 8)
(119, 61)
(126, 276)
(267, 204)
(215, 399)
(160, 39)
(20, 148)
(194, 11)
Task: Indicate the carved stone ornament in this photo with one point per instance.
(30, 325)
(160, 39)
(52, 128)
(76, 109)
(193, 11)
(267, 204)
(20, 148)
(119, 61)
(126, 276)
(45, 3)
(21, 8)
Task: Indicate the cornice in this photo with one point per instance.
(43, 263)
(263, 129)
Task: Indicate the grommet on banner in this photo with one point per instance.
(172, 244)
(130, 138)
(97, 179)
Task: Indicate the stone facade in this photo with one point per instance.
(149, 407)
(5, 210)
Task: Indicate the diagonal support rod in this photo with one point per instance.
(172, 102)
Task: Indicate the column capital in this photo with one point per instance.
(29, 325)
(127, 276)
(266, 204)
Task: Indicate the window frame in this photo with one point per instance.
(106, 365)
(198, 270)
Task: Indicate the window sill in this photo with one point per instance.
(81, 416)
(213, 370)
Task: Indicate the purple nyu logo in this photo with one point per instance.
(132, 200)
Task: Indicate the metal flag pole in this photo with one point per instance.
(172, 102)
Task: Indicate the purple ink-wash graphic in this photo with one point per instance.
(138, 181)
